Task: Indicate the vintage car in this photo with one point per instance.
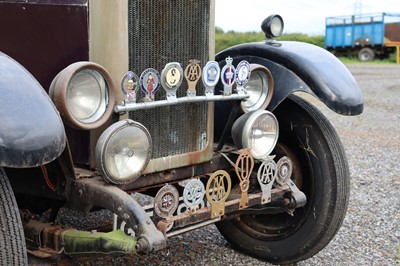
(138, 103)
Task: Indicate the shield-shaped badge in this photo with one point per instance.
(228, 76)
(130, 86)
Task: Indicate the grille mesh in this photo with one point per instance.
(163, 31)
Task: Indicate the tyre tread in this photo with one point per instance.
(339, 208)
(12, 241)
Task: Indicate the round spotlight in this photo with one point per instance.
(272, 26)
(84, 95)
(260, 88)
(123, 151)
(257, 130)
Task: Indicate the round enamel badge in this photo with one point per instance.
(242, 74)
(172, 75)
(193, 193)
(166, 201)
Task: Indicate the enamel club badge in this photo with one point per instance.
(211, 73)
(130, 86)
(228, 76)
(150, 83)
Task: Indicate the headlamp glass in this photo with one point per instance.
(258, 131)
(86, 96)
(123, 151)
(259, 88)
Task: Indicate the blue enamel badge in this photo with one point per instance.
(242, 74)
(211, 73)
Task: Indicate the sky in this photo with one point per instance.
(300, 16)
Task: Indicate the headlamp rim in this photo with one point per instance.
(270, 88)
(102, 145)
(59, 88)
(245, 138)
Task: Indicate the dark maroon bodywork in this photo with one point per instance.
(43, 47)
(29, 35)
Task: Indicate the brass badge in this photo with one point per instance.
(130, 86)
(211, 74)
(243, 168)
(193, 194)
(192, 75)
(171, 79)
(150, 83)
(166, 201)
(217, 191)
(228, 76)
(266, 176)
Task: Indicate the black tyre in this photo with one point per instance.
(320, 170)
(366, 54)
(12, 241)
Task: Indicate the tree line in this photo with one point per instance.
(226, 39)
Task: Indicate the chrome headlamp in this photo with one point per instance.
(260, 87)
(84, 95)
(258, 131)
(123, 151)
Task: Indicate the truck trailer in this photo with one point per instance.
(364, 35)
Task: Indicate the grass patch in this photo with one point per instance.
(224, 40)
(354, 60)
(398, 255)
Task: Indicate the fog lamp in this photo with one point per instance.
(84, 95)
(260, 88)
(123, 151)
(257, 130)
(272, 26)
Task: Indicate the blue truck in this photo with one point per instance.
(366, 35)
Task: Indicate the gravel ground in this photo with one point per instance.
(370, 234)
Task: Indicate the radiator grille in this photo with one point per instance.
(163, 31)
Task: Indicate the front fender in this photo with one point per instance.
(298, 66)
(31, 130)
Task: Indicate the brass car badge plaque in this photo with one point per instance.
(150, 83)
(166, 201)
(193, 194)
(171, 79)
(211, 73)
(243, 168)
(228, 76)
(266, 176)
(242, 75)
(130, 86)
(218, 189)
(192, 76)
